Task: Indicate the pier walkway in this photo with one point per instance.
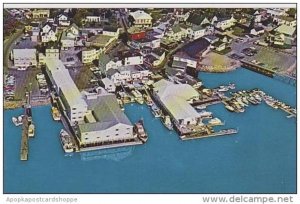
(24, 141)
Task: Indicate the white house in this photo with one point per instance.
(63, 20)
(224, 22)
(109, 85)
(67, 41)
(196, 32)
(74, 29)
(111, 31)
(96, 19)
(176, 33)
(141, 18)
(48, 33)
(24, 57)
(285, 20)
(50, 53)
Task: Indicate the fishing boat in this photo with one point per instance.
(141, 133)
(138, 97)
(31, 130)
(148, 100)
(55, 113)
(66, 141)
(167, 122)
(156, 111)
(230, 108)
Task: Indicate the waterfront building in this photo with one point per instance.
(104, 123)
(192, 52)
(24, 57)
(74, 106)
(176, 99)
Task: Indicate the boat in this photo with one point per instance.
(55, 113)
(215, 121)
(252, 100)
(205, 114)
(200, 107)
(156, 111)
(66, 141)
(223, 89)
(138, 97)
(230, 108)
(140, 131)
(167, 122)
(245, 101)
(31, 130)
(148, 100)
(17, 120)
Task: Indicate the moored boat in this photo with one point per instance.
(31, 130)
(140, 131)
(55, 113)
(66, 141)
(167, 122)
(156, 111)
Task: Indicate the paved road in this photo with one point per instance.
(7, 46)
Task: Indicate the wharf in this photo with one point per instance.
(24, 140)
(219, 133)
(208, 101)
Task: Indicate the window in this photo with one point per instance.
(117, 134)
(117, 129)
(73, 108)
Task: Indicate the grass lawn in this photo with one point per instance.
(238, 32)
(83, 77)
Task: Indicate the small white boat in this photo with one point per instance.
(140, 131)
(31, 130)
(167, 122)
(17, 120)
(156, 111)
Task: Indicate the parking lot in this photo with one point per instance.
(71, 57)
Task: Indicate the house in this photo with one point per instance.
(196, 32)
(101, 41)
(67, 41)
(63, 20)
(176, 33)
(277, 11)
(192, 52)
(40, 13)
(96, 19)
(176, 99)
(219, 45)
(50, 53)
(180, 16)
(196, 19)
(285, 20)
(111, 31)
(89, 55)
(74, 29)
(109, 85)
(146, 42)
(223, 22)
(257, 31)
(48, 32)
(141, 18)
(104, 60)
(24, 58)
(288, 32)
(136, 33)
(156, 57)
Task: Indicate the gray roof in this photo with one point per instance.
(111, 72)
(107, 113)
(104, 59)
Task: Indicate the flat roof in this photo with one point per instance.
(64, 81)
(24, 52)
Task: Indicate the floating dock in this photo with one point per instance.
(24, 141)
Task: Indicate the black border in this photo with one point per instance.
(214, 3)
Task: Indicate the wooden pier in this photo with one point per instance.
(24, 141)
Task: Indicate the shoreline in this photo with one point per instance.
(11, 105)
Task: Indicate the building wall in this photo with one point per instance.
(88, 56)
(190, 63)
(20, 61)
(115, 133)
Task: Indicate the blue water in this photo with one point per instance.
(261, 158)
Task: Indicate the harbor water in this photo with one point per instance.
(261, 158)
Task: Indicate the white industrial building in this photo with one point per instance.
(73, 102)
(104, 122)
(141, 18)
(96, 117)
(176, 99)
(24, 57)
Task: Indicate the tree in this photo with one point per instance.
(131, 20)
(291, 12)
(124, 38)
